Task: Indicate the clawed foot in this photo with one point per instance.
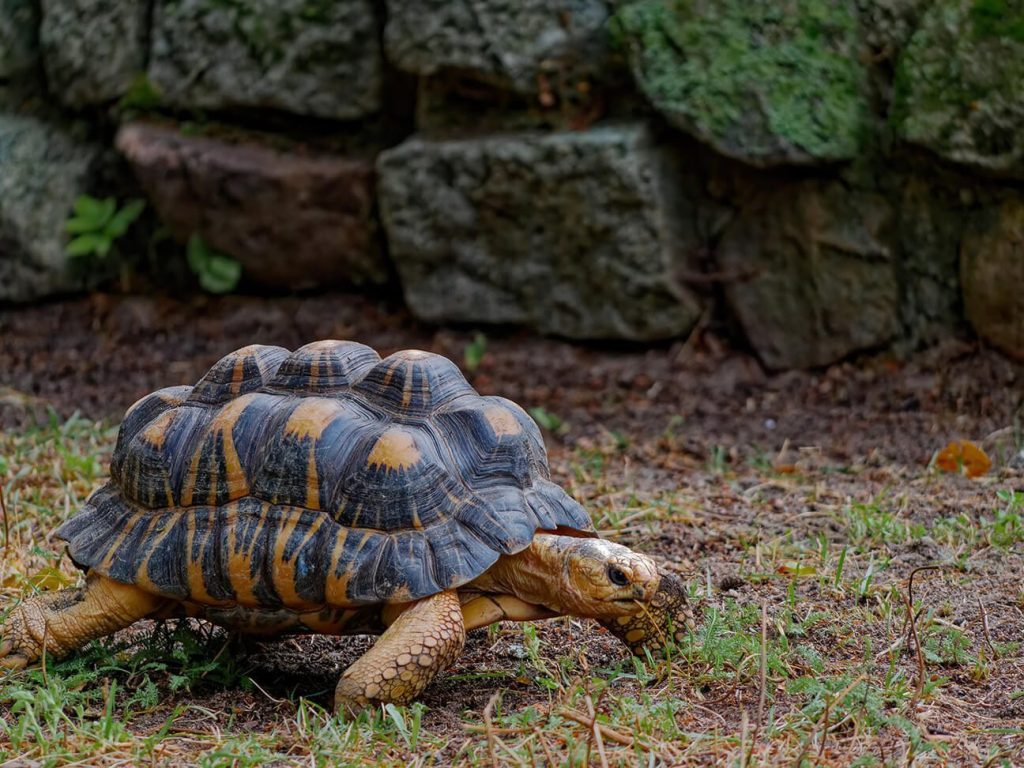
(22, 636)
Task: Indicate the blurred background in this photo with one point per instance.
(716, 202)
(739, 189)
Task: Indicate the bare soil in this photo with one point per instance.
(736, 463)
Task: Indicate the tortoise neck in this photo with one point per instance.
(534, 575)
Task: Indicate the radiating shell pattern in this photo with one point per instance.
(326, 476)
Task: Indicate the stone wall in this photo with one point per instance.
(822, 176)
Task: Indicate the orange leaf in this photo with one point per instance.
(963, 456)
(793, 568)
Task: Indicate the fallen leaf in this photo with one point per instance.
(963, 456)
(48, 579)
(793, 568)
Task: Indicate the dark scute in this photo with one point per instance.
(486, 458)
(312, 563)
(139, 415)
(280, 460)
(212, 532)
(95, 527)
(251, 431)
(500, 519)
(374, 496)
(456, 555)
(262, 563)
(167, 565)
(360, 557)
(553, 508)
(259, 365)
(411, 384)
(324, 368)
(249, 516)
(183, 439)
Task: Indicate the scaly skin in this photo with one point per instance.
(665, 619)
(68, 619)
(425, 639)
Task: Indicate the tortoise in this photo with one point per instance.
(328, 490)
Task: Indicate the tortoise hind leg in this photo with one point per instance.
(425, 639)
(70, 618)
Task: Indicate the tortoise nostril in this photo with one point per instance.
(617, 576)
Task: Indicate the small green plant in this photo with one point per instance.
(217, 273)
(473, 354)
(142, 95)
(547, 420)
(96, 225)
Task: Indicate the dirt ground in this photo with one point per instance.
(784, 490)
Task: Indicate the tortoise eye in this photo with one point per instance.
(617, 576)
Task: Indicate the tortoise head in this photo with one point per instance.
(601, 579)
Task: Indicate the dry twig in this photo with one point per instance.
(595, 732)
(984, 629)
(489, 730)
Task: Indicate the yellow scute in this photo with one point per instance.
(395, 449)
(312, 417)
(502, 421)
(156, 432)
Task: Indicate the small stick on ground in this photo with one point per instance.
(984, 629)
(7, 527)
(763, 683)
(911, 616)
(608, 733)
(544, 745)
(595, 730)
(489, 730)
(912, 620)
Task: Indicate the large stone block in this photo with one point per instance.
(92, 49)
(19, 38)
(931, 224)
(765, 83)
(310, 57)
(576, 234)
(293, 220)
(992, 271)
(44, 170)
(509, 43)
(813, 278)
(959, 87)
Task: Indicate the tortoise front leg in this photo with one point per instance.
(68, 619)
(425, 639)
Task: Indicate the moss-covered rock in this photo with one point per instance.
(959, 87)
(766, 83)
(309, 57)
(992, 270)
(512, 44)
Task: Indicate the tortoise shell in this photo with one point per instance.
(326, 476)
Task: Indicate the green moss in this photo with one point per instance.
(998, 18)
(959, 87)
(762, 81)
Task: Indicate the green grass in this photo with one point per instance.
(835, 675)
